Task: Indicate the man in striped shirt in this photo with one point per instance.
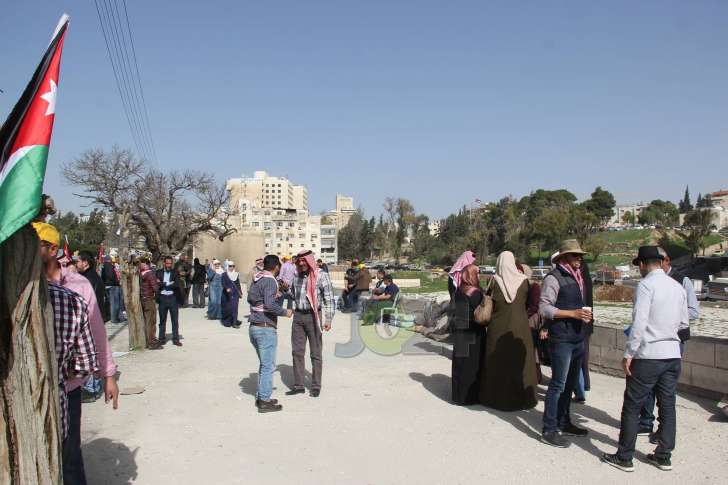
(312, 292)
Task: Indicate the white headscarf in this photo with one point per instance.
(507, 275)
(217, 270)
(233, 275)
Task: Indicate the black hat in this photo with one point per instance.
(646, 253)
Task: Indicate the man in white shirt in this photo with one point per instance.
(647, 414)
(651, 360)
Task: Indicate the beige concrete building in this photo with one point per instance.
(342, 213)
(268, 192)
(619, 212)
(277, 210)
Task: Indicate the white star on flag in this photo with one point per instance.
(50, 98)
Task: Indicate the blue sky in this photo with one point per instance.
(438, 102)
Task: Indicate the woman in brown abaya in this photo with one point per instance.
(509, 376)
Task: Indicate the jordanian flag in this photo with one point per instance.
(24, 140)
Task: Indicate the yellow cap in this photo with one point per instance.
(47, 232)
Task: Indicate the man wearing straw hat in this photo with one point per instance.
(564, 297)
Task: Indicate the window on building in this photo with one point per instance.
(278, 245)
(313, 245)
(301, 244)
(256, 224)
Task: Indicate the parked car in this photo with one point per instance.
(540, 273)
(487, 270)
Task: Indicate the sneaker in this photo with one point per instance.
(644, 431)
(616, 462)
(663, 464)
(555, 439)
(572, 430)
(268, 407)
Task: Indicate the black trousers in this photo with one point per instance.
(73, 470)
(168, 303)
(198, 295)
(648, 375)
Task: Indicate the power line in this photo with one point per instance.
(126, 84)
(139, 78)
(116, 76)
(128, 80)
(130, 75)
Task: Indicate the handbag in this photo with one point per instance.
(484, 311)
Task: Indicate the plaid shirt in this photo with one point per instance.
(325, 294)
(75, 349)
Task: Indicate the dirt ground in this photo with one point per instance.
(380, 419)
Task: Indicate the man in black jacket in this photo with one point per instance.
(199, 277)
(184, 271)
(87, 267)
(564, 306)
(167, 299)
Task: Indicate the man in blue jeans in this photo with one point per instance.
(651, 360)
(264, 313)
(564, 294)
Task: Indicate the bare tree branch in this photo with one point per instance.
(166, 209)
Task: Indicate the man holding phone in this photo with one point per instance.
(564, 308)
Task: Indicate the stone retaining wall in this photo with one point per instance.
(704, 366)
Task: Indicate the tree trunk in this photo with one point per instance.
(131, 287)
(30, 442)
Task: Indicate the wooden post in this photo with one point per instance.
(131, 287)
(30, 442)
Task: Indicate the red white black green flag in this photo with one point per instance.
(24, 140)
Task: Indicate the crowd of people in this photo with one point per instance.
(503, 330)
(497, 354)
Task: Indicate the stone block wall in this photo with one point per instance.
(704, 365)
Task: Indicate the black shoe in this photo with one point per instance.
(663, 464)
(293, 392)
(177, 343)
(258, 401)
(268, 407)
(236, 325)
(315, 392)
(579, 400)
(644, 431)
(616, 462)
(555, 439)
(572, 430)
(653, 438)
(162, 342)
(88, 397)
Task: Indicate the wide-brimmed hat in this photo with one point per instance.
(645, 253)
(568, 246)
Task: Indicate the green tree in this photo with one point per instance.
(601, 204)
(705, 202)
(660, 212)
(697, 225)
(349, 237)
(366, 238)
(628, 217)
(685, 205)
(83, 235)
(401, 215)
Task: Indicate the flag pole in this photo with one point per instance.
(64, 20)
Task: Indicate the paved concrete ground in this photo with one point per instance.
(379, 420)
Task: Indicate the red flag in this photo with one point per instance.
(66, 250)
(25, 138)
